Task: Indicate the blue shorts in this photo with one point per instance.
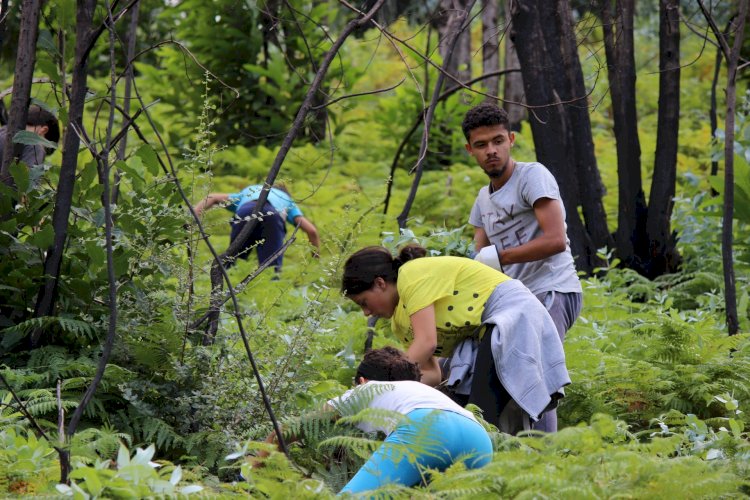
(431, 439)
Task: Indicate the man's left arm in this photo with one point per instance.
(549, 214)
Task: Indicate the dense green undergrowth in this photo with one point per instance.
(657, 407)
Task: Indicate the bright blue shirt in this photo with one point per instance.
(276, 197)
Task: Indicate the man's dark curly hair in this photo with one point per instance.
(387, 364)
(486, 114)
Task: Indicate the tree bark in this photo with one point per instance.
(490, 45)
(458, 25)
(453, 15)
(551, 124)
(713, 106)
(513, 82)
(619, 49)
(127, 92)
(85, 34)
(585, 176)
(24, 72)
(663, 256)
(732, 56)
(4, 14)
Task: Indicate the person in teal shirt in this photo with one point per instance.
(268, 235)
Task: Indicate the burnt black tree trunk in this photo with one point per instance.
(24, 71)
(663, 256)
(552, 124)
(619, 48)
(85, 36)
(572, 91)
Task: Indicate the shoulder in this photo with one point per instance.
(532, 169)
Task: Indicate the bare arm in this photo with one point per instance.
(552, 240)
(209, 201)
(311, 231)
(423, 347)
(480, 238)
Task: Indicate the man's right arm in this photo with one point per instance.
(480, 238)
(209, 201)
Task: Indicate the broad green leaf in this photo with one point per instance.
(96, 253)
(48, 68)
(20, 173)
(88, 174)
(147, 154)
(32, 139)
(43, 238)
(46, 42)
(93, 482)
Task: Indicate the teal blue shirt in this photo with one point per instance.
(276, 197)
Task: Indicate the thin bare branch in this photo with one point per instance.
(359, 94)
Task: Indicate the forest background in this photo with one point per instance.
(118, 329)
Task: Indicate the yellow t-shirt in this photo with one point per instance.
(457, 286)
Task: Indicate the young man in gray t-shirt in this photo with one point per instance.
(519, 222)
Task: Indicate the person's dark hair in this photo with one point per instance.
(281, 186)
(39, 116)
(486, 114)
(364, 266)
(387, 364)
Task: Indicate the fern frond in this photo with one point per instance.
(50, 324)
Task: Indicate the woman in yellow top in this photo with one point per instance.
(435, 303)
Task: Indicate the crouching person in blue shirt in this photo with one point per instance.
(268, 235)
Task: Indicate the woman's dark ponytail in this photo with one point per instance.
(364, 266)
(410, 252)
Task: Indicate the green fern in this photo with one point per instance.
(50, 325)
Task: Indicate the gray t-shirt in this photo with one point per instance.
(508, 218)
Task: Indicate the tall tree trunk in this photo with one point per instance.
(459, 64)
(455, 48)
(585, 175)
(19, 104)
(619, 49)
(713, 107)
(129, 75)
(551, 125)
(4, 14)
(490, 45)
(85, 34)
(512, 82)
(663, 255)
(732, 56)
